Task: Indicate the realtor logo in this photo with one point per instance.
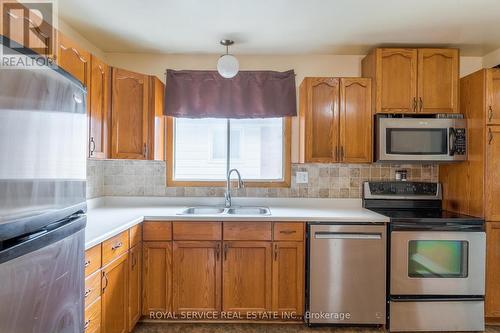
(28, 25)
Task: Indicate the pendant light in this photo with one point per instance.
(227, 65)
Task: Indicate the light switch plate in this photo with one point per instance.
(301, 177)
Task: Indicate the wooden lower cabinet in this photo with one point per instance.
(157, 277)
(135, 286)
(196, 276)
(492, 304)
(92, 322)
(288, 279)
(115, 296)
(247, 276)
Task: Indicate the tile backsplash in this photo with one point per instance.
(148, 178)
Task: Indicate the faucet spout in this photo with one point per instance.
(227, 194)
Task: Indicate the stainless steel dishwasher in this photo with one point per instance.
(346, 267)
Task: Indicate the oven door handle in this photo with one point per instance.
(347, 235)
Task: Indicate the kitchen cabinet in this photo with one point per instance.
(492, 209)
(135, 286)
(196, 276)
(288, 278)
(129, 114)
(493, 96)
(115, 294)
(99, 109)
(413, 80)
(92, 322)
(335, 120)
(157, 277)
(156, 125)
(492, 300)
(247, 276)
(73, 59)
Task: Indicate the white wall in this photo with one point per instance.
(491, 59)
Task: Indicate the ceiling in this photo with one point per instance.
(284, 26)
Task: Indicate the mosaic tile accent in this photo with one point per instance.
(148, 178)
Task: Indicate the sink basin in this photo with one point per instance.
(248, 211)
(238, 210)
(203, 211)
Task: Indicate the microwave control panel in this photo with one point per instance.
(460, 142)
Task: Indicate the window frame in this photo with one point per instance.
(287, 150)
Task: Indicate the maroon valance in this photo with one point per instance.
(250, 94)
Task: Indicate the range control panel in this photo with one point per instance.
(401, 188)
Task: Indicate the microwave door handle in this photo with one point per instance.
(451, 141)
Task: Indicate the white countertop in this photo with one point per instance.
(108, 216)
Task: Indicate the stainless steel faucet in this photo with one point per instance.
(227, 195)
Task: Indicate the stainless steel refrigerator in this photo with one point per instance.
(42, 200)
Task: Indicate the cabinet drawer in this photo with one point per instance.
(92, 289)
(197, 230)
(93, 317)
(135, 235)
(288, 231)
(247, 231)
(157, 231)
(92, 259)
(114, 247)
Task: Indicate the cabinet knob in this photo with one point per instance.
(92, 146)
(117, 246)
(87, 292)
(490, 113)
(421, 103)
(415, 104)
(86, 325)
(87, 263)
(490, 136)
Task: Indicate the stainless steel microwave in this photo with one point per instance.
(421, 139)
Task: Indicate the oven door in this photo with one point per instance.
(417, 139)
(437, 263)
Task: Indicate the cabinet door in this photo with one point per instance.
(438, 80)
(492, 173)
(73, 59)
(129, 115)
(396, 80)
(196, 277)
(288, 278)
(355, 120)
(135, 286)
(99, 109)
(321, 113)
(492, 301)
(246, 277)
(157, 277)
(115, 296)
(493, 96)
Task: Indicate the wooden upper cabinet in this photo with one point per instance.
(492, 173)
(157, 129)
(73, 59)
(157, 277)
(355, 120)
(288, 277)
(319, 114)
(492, 299)
(114, 297)
(246, 276)
(409, 80)
(438, 80)
(129, 114)
(135, 286)
(197, 283)
(493, 96)
(99, 110)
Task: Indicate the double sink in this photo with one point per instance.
(234, 210)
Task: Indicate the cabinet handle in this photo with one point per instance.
(341, 153)
(87, 264)
(414, 104)
(226, 248)
(217, 252)
(336, 153)
(421, 104)
(490, 113)
(275, 252)
(106, 280)
(92, 145)
(490, 136)
(87, 292)
(86, 325)
(134, 261)
(117, 246)
(287, 232)
(145, 150)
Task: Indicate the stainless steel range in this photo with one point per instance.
(436, 262)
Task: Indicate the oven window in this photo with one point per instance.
(438, 259)
(417, 141)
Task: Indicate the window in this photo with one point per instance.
(258, 149)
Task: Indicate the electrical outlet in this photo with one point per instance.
(302, 177)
